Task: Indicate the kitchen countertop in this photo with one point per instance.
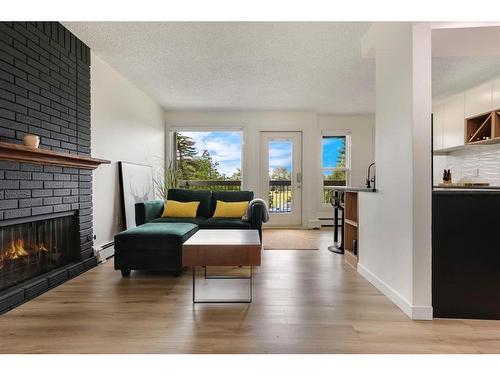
(464, 191)
(352, 188)
(463, 188)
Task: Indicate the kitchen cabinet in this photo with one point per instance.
(437, 127)
(496, 94)
(453, 121)
(465, 254)
(478, 100)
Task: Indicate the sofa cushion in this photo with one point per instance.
(155, 236)
(202, 196)
(230, 209)
(180, 209)
(192, 220)
(224, 223)
(228, 196)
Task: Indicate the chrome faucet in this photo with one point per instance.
(370, 180)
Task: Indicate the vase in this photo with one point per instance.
(31, 140)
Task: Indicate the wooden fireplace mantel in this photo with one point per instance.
(20, 153)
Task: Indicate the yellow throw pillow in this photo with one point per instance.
(180, 209)
(230, 209)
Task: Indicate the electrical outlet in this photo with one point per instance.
(476, 172)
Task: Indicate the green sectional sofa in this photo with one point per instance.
(156, 242)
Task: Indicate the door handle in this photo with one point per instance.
(299, 177)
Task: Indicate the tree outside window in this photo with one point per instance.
(208, 156)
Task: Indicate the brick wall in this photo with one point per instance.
(45, 90)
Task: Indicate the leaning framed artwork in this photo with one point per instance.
(136, 181)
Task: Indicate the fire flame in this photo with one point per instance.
(17, 249)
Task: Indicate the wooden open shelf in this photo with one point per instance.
(21, 153)
(350, 227)
(496, 124)
(350, 222)
(482, 128)
(351, 206)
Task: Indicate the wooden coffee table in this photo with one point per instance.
(223, 248)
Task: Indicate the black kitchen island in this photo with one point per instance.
(466, 253)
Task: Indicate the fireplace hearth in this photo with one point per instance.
(36, 246)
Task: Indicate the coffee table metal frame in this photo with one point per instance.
(227, 277)
(223, 248)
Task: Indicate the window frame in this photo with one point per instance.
(347, 169)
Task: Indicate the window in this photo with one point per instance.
(335, 162)
(208, 159)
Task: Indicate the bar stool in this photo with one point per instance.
(336, 202)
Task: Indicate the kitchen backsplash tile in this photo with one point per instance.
(478, 162)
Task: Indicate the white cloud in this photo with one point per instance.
(224, 148)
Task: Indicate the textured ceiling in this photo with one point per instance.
(259, 65)
(240, 66)
(456, 73)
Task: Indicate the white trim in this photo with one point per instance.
(335, 132)
(204, 127)
(413, 312)
(422, 313)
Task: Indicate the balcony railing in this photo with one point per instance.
(217, 185)
(280, 196)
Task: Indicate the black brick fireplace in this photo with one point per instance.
(45, 91)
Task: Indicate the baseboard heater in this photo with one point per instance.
(106, 251)
(326, 222)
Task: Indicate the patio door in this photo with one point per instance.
(281, 176)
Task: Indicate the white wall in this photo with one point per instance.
(394, 223)
(309, 123)
(127, 125)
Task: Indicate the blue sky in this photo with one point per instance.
(224, 147)
(280, 155)
(331, 150)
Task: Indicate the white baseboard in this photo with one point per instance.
(422, 313)
(413, 312)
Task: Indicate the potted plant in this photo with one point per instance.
(168, 178)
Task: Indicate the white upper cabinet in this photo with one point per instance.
(496, 94)
(437, 127)
(453, 121)
(478, 100)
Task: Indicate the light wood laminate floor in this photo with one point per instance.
(304, 302)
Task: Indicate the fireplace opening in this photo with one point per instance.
(32, 248)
